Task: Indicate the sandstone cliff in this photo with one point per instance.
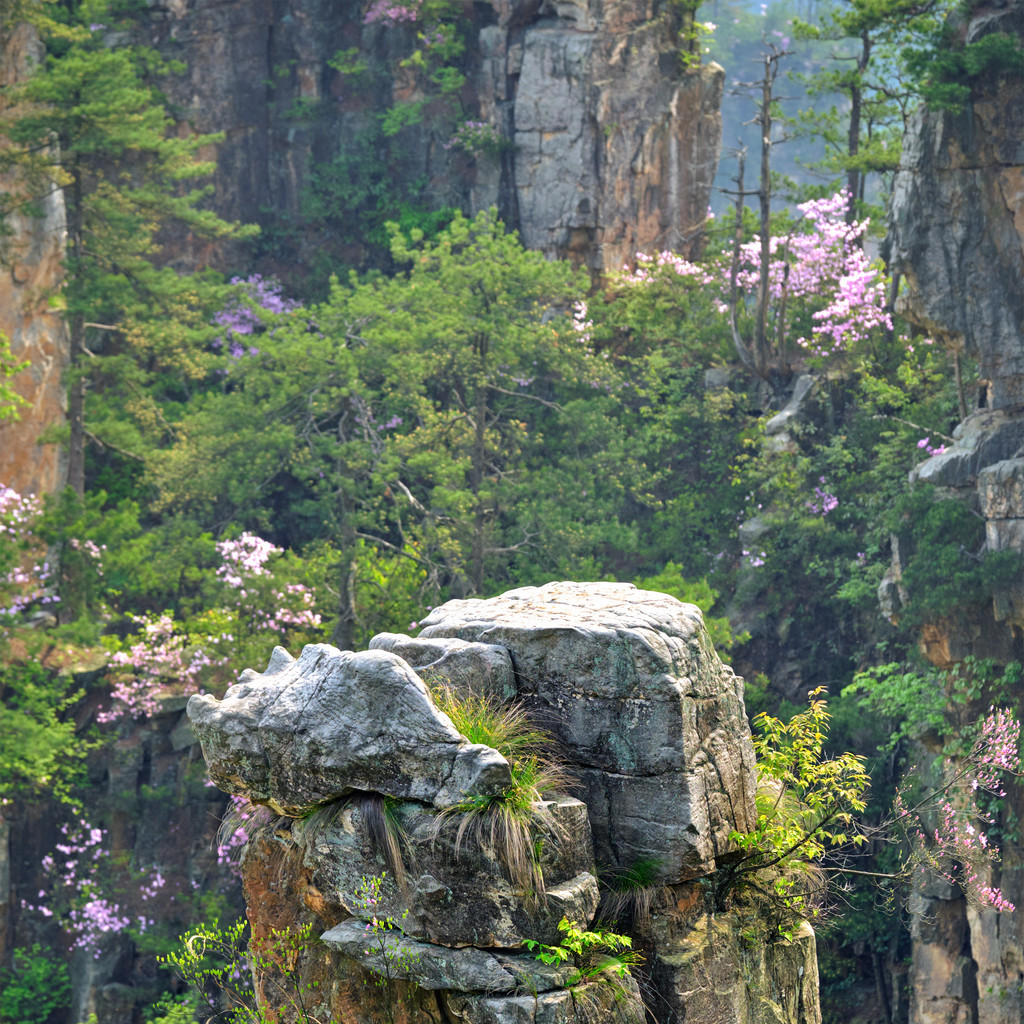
(30, 275)
(653, 730)
(958, 237)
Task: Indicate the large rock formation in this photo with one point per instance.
(31, 270)
(611, 144)
(649, 721)
(958, 237)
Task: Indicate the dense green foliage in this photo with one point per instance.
(32, 988)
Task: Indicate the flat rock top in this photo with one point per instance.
(596, 607)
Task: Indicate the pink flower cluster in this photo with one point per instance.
(159, 655)
(925, 443)
(242, 813)
(392, 13)
(956, 846)
(28, 580)
(293, 610)
(822, 503)
(162, 654)
(647, 268)
(580, 324)
(241, 318)
(248, 555)
(827, 262)
(87, 914)
(474, 136)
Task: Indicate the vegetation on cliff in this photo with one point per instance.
(253, 468)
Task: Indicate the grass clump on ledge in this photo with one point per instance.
(507, 821)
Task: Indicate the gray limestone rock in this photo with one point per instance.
(1001, 489)
(794, 410)
(457, 893)
(482, 668)
(432, 966)
(956, 219)
(642, 707)
(311, 730)
(984, 438)
(611, 1000)
(713, 972)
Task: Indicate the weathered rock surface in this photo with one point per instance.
(614, 143)
(957, 233)
(957, 220)
(612, 140)
(653, 723)
(483, 668)
(146, 788)
(643, 708)
(432, 966)
(458, 892)
(311, 730)
(958, 237)
(713, 972)
(31, 257)
(615, 1001)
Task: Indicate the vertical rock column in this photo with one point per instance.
(30, 274)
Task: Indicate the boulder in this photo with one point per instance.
(440, 967)
(610, 1000)
(482, 668)
(643, 708)
(308, 731)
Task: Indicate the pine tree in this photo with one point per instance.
(90, 122)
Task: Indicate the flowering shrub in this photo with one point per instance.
(475, 137)
(76, 897)
(834, 296)
(647, 268)
(826, 268)
(391, 13)
(926, 444)
(25, 574)
(242, 317)
(955, 844)
(822, 503)
(258, 610)
(156, 655)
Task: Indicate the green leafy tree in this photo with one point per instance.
(806, 804)
(410, 417)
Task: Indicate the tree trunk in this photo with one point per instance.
(479, 467)
(854, 176)
(761, 346)
(76, 330)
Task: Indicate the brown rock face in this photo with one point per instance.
(31, 273)
(610, 144)
(957, 230)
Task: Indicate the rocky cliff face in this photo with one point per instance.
(607, 144)
(958, 237)
(30, 274)
(352, 749)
